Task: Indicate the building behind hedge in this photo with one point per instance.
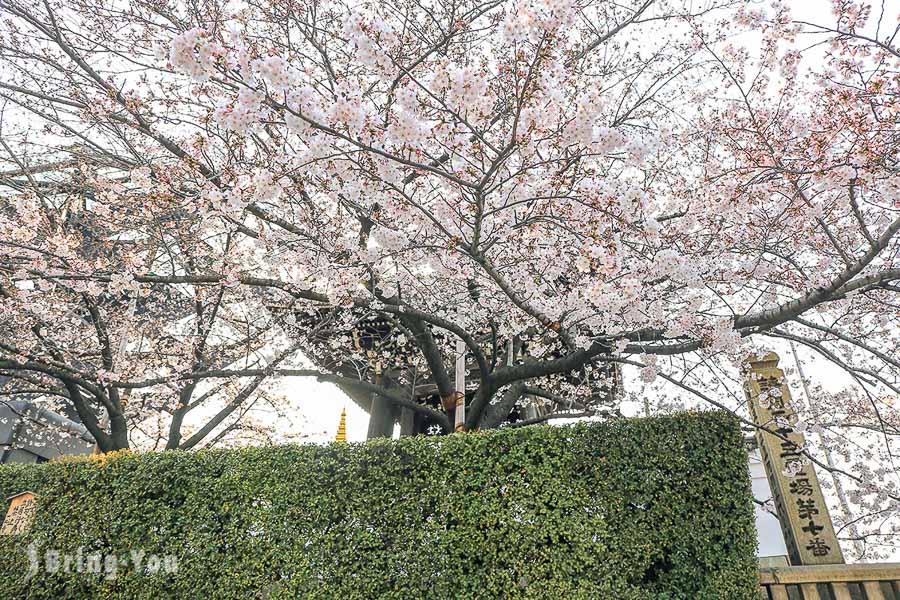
(30, 434)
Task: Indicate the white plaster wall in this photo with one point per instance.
(771, 540)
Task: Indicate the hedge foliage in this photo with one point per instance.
(648, 508)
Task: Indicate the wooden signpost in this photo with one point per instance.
(460, 412)
(20, 515)
(808, 532)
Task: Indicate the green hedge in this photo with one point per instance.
(648, 508)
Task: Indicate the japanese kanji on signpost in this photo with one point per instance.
(808, 531)
(20, 514)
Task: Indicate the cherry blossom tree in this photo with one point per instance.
(197, 194)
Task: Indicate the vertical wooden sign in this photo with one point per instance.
(20, 514)
(808, 532)
(460, 413)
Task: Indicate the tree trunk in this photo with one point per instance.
(381, 417)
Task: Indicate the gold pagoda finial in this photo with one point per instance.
(342, 428)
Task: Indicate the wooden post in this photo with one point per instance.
(20, 514)
(808, 532)
(460, 418)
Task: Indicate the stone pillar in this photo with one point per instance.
(808, 532)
